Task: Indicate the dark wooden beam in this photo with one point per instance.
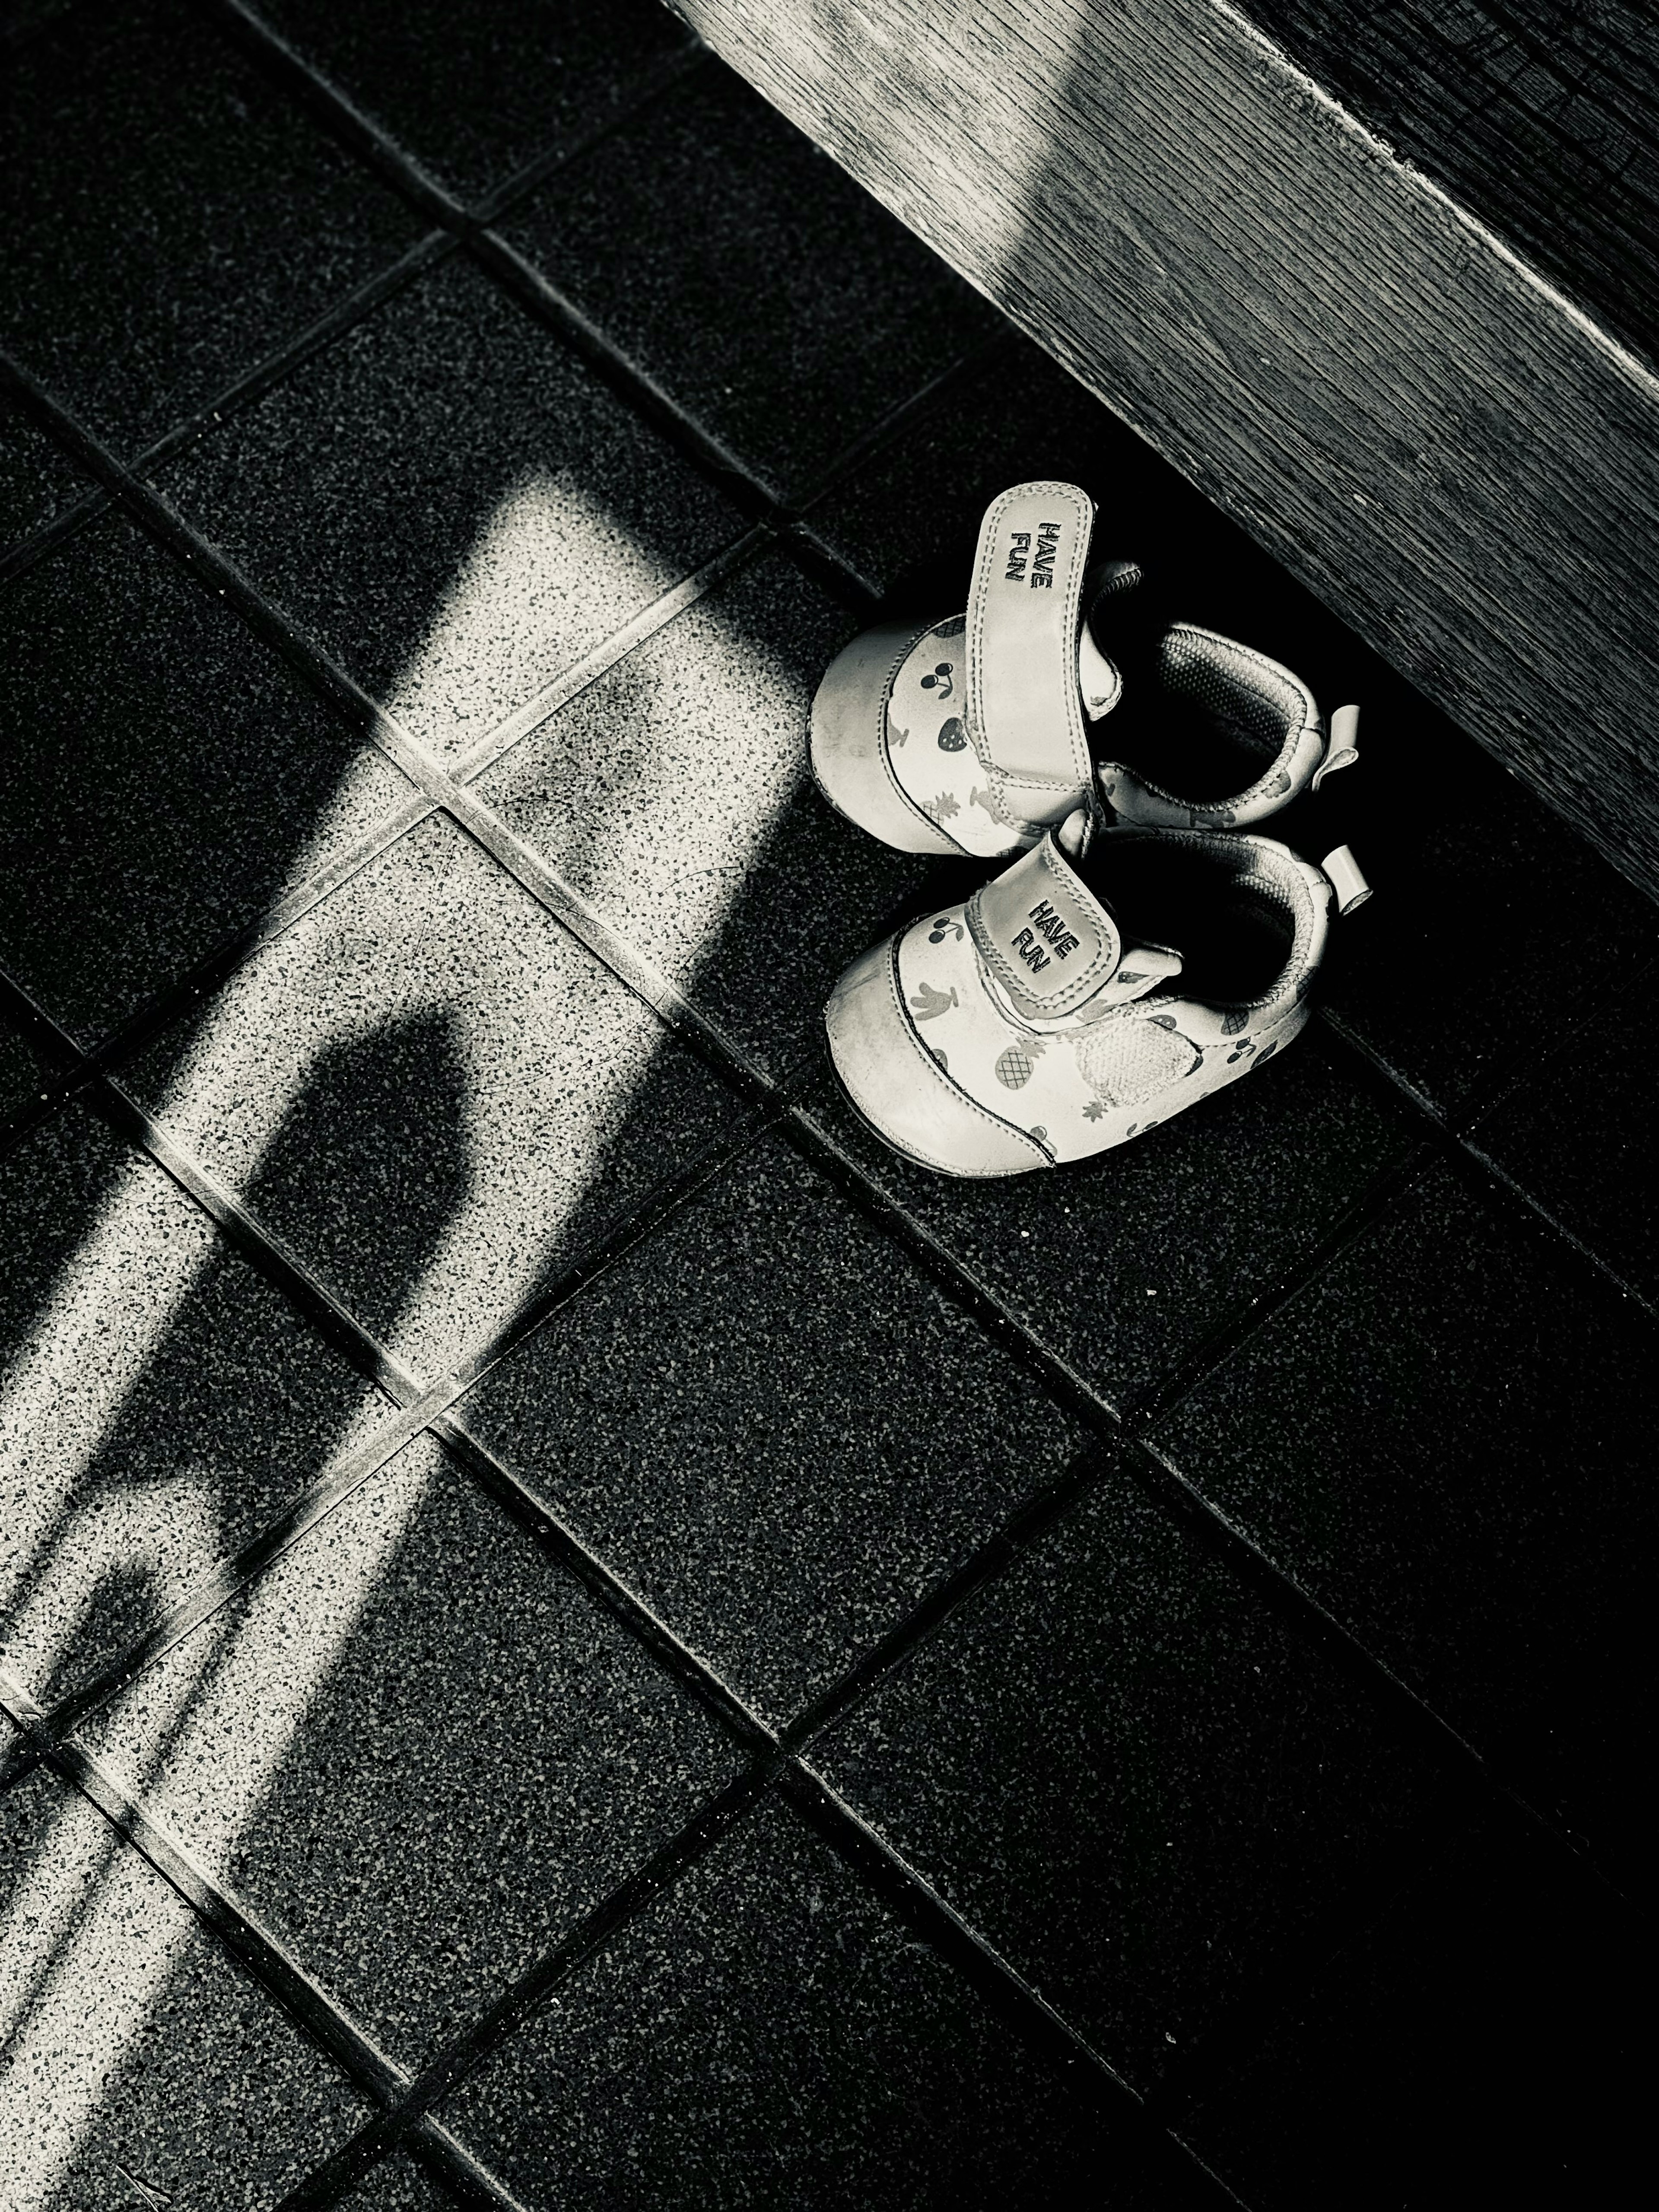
(1456, 455)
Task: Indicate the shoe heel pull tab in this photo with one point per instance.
(1347, 878)
(1343, 748)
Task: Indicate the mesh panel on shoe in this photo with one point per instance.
(1251, 703)
(1127, 1060)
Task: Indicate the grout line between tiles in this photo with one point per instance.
(556, 1537)
(23, 553)
(707, 1827)
(280, 1975)
(425, 254)
(418, 1406)
(561, 900)
(557, 897)
(513, 190)
(553, 697)
(318, 2016)
(520, 861)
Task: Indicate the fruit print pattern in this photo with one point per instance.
(1087, 1088)
(1016, 1065)
(930, 747)
(927, 1003)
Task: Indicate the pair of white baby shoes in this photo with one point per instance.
(1140, 952)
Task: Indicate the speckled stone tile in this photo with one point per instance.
(1473, 875)
(772, 1427)
(474, 94)
(435, 1094)
(21, 1074)
(451, 505)
(37, 482)
(1579, 1139)
(1485, 2042)
(172, 219)
(1447, 1439)
(398, 2184)
(1125, 1264)
(416, 1750)
(675, 795)
(161, 1404)
(750, 277)
(1124, 1770)
(140, 2053)
(767, 2033)
(167, 777)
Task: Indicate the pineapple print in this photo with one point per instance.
(1016, 1065)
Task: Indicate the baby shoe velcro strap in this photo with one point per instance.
(1025, 713)
(1044, 937)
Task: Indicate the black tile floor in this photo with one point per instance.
(574, 1633)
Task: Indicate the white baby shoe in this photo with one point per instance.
(1073, 1003)
(972, 735)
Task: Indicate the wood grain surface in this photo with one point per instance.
(1457, 457)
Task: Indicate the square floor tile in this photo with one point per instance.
(1119, 1766)
(139, 2054)
(1484, 2043)
(434, 1094)
(168, 777)
(451, 505)
(767, 2033)
(37, 482)
(1579, 1139)
(1447, 1439)
(675, 794)
(173, 220)
(474, 94)
(772, 1428)
(1442, 975)
(416, 1750)
(162, 1402)
(1125, 1264)
(748, 276)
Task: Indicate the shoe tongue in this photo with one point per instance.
(1053, 946)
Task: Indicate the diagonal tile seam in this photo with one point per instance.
(265, 50)
(878, 1867)
(661, 1005)
(424, 254)
(268, 1962)
(243, 391)
(73, 1066)
(632, 967)
(419, 1404)
(21, 554)
(474, 228)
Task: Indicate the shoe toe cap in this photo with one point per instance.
(848, 741)
(900, 1088)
